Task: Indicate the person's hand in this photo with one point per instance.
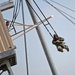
(58, 41)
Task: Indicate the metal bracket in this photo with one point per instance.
(7, 67)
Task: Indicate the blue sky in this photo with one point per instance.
(38, 65)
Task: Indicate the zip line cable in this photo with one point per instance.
(39, 18)
(60, 12)
(15, 9)
(44, 16)
(63, 6)
(25, 38)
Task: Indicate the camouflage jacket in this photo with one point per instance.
(55, 41)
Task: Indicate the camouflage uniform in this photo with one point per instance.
(58, 41)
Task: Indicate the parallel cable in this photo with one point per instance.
(14, 13)
(44, 16)
(60, 12)
(67, 14)
(66, 8)
(40, 19)
(63, 6)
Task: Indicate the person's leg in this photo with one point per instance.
(66, 47)
(60, 48)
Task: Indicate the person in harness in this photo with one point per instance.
(58, 41)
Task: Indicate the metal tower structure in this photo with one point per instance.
(7, 49)
(7, 53)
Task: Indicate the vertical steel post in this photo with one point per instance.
(42, 39)
(10, 72)
(25, 38)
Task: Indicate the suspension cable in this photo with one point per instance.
(44, 16)
(40, 19)
(60, 12)
(67, 14)
(25, 38)
(63, 6)
(66, 8)
(14, 13)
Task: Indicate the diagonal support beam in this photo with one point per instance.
(29, 28)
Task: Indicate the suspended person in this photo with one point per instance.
(58, 41)
(7, 23)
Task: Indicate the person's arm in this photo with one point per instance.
(61, 39)
(53, 42)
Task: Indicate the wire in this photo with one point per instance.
(60, 12)
(63, 6)
(15, 14)
(67, 14)
(40, 19)
(44, 16)
(66, 8)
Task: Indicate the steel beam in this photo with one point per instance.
(6, 5)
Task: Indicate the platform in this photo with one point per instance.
(8, 55)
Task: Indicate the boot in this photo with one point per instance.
(66, 47)
(60, 49)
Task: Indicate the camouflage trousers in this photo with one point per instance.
(61, 47)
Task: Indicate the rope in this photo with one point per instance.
(44, 16)
(39, 18)
(63, 6)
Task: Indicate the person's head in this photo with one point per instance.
(7, 23)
